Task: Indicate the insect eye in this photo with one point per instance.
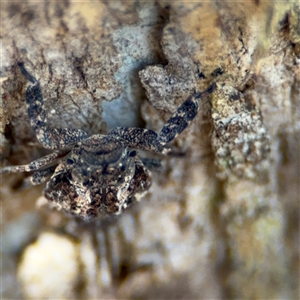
(76, 148)
(70, 161)
(40, 123)
(122, 168)
(132, 154)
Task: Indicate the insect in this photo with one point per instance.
(101, 174)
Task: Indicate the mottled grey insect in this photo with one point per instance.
(100, 174)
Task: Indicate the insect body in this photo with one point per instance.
(100, 174)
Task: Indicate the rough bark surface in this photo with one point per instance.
(219, 222)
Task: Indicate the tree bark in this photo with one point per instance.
(210, 227)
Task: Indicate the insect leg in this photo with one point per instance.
(34, 165)
(57, 138)
(41, 176)
(182, 117)
(138, 138)
(148, 140)
(50, 138)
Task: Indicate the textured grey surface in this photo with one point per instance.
(192, 236)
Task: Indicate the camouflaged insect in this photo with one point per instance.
(100, 174)
(239, 138)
